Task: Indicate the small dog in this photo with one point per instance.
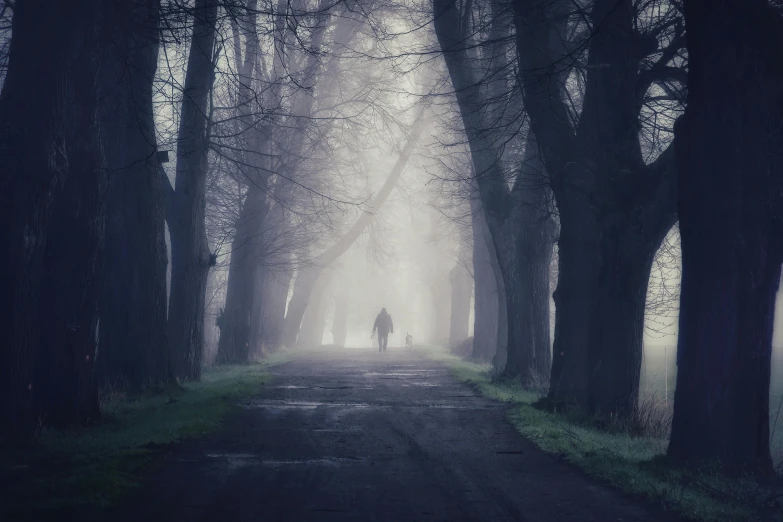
(409, 341)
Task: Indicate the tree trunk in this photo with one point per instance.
(274, 278)
(501, 206)
(526, 277)
(277, 287)
(236, 334)
(608, 199)
(616, 348)
(528, 355)
(52, 163)
(190, 256)
(501, 348)
(440, 294)
(257, 348)
(461, 290)
(246, 251)
(730, 227)
(486, 302)
(306, 279)
(311, 333)
(133, 349)
(71, 280)
(575, 298)
(340, 324)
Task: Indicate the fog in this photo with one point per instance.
(446, 237)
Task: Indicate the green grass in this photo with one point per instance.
(633, 464)
(96, 466)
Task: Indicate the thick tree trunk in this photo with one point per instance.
(52, 162)
(340, 324)
(237, 338)
(246, 251)
(461, 291)
(486, 302)
(133, 349)
(730, 207)
(526, 277)
(501, 206)
(277, 288)
(257, 348)
(190, 256)
(274, 278)
(72, 276)
(608, 199)
(311, 333)
(529, 355)
(575, 298)
(616, 348)
(501, 349)
(440, 295)
(306, 279)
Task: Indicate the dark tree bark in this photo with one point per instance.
(67, 316)
(626, 255)
(52, 167)
(502, 210)
(246, 251)
(133, 348)
(190, 255)
(608, 199)
(240, 326)
(461, 291)
(527, 293)
(487, 298)
(730, 223)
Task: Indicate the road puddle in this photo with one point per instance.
(325, 461)
(237, 460)
(301, 405)
(400, 373)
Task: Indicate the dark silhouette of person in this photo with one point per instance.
(383, 324)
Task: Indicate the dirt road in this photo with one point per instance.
(363, 436)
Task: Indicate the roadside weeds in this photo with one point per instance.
(628, 460)
(96, 466)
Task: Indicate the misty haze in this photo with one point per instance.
(391, 260)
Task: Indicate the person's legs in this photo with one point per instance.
(380, 342)
(385, 341)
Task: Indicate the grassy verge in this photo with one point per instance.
(631, 463)
(97, 465)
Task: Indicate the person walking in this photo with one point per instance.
(384, 326)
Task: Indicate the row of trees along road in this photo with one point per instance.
(90, 214)
(586, 77)
(567, 109)
(85, 206)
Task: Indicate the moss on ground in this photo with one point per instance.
(631, 463)
(96, 466)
